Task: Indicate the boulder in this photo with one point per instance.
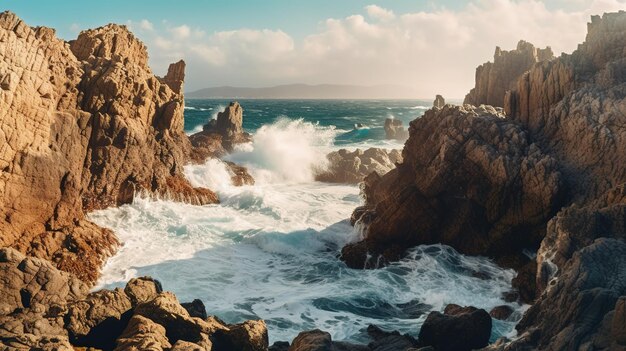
(502, 312)
(389, 341)
(352, 167)
(195, 308)
(142, 289)
(246, 336)
(143, 334)
(465, 330)
(394, 129)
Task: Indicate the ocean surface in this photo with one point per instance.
(271, 250)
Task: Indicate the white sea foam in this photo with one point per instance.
(286, 151)
(271, 250)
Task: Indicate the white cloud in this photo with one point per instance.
(434, 51)
(146, 25)
(377, 12)
(181, 32)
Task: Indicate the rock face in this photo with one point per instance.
(439, 101)
(470, 179)
(353, 167)
(46, 309)
(493, 80)
(462, 329)
(83, 125)
(394, 129)
(220, 135)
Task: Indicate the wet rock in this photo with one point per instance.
(525, 282)
(352, 167)
(466, 330)
(389, 341)
(227, 128)
(394, 129)
(579, 309)
(279, 346)
(502, 312)
(195, 308)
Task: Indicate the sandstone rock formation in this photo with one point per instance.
(83, 125)
(351, 167)
(470, 179)
(394, 129)
(439, 101)
(220, 135)
(493, 80)
(46, 309)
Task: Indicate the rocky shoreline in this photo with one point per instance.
(85, 125)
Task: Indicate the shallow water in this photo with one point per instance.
(270, 250)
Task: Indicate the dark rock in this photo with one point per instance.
(195, 308)
(389, 341)
(469, 179)
(572, 313)
(279, 346)
(247, 336)
(439, 101)
(502, 312)
(456, 310)
(463, 331)
(525, 282)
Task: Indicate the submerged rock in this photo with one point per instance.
(351, 167)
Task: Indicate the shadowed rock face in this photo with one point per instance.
(494, 79)
(470, 179)
(83, 125)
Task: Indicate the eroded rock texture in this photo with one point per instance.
(494, 79)
(470, 179)
(83, 125)
(220, 135)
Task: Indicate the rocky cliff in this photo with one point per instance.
(494, 79)
(83, 125)
(549, 173)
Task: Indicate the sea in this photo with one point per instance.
(271, 250)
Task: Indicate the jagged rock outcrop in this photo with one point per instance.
(351, 167)
(584, 309)
(493, 80)
(83, 125)
(46, 309)
(470, 179)
(317, 340)
(439, 101)
(220, 135)
(395, 130)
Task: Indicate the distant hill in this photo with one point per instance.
(304, 91)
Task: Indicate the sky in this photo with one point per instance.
(430, 46)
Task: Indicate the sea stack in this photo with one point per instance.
(439, 101)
